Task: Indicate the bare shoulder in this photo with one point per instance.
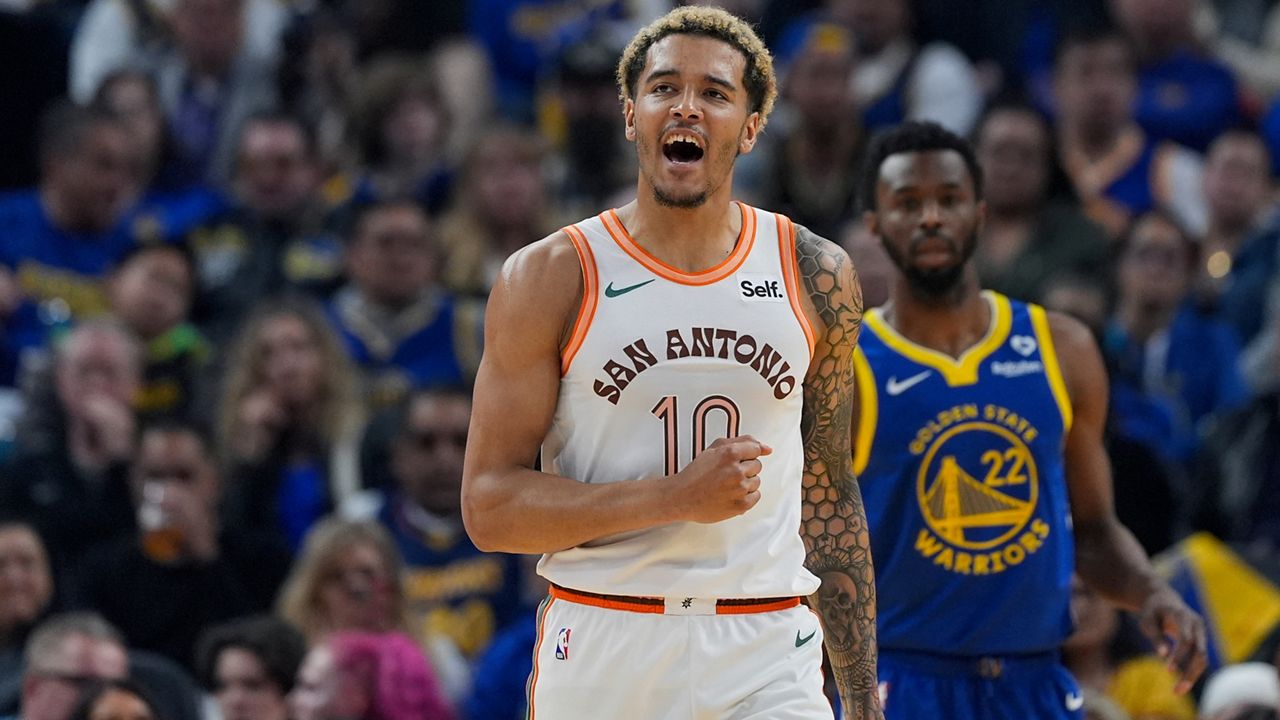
(1079, 356)
(550, 264)
(538, 288)
(1069, 334)
(831, 283)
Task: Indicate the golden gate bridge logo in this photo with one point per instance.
(977, 486)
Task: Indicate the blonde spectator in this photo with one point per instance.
(347, 578)
(289, 421)
(402, 127)
(350, 578)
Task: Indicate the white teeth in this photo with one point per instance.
(692, 139)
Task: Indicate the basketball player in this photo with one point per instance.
(684, 363)
(978, 441)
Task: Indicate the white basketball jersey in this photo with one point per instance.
(661, 363)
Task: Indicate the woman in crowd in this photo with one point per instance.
(250, 666)
(290, 422)
(1033, 228)
(347, 578)
(402, 124)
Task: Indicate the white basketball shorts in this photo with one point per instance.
(605, 658)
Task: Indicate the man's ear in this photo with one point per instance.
(750, 134)
(629, 118)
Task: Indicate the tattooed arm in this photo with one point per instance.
(833, 522)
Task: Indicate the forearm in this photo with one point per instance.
(846, 605)
(526, 511)
(1113, 563)
(833, 521)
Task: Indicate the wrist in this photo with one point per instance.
(661, 504)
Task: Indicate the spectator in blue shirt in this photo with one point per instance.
(1172, 367)
(1119, 171)
(1183, 95)
(453, 591)
(58, 241)
(399, 326)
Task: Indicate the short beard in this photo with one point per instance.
(680, 203)
(934, 286)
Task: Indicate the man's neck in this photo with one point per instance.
(692, 239)
(1227, 233)
(58, 209)
(388, 309)
(1141, 321)
(950, 324)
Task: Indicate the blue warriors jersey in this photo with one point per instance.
(960, 465)
(451, 588)
(60, 271)
(440, 344)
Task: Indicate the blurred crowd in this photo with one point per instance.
(244, 252)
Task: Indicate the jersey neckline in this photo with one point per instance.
(728, 266)
(956, 371)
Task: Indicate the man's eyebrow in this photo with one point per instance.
(717, 80)
(659, 73)
(669, 72)
(912, 186)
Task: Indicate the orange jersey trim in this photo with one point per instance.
(739, 607)
(791, 276)
(612, 602)
(590, 297)
(537, 649)
(730, 265)
(657, 606)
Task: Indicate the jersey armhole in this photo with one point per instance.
(1052, 370)
(590, 297)
(791, 277)
(868, 405)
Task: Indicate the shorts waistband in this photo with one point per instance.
(675, 605)
(989, 667)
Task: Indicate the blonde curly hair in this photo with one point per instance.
(758, 76)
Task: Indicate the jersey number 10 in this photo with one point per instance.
(666, 411)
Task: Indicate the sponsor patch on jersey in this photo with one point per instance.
(1016, 369)
(1023, 344)
(761, 288)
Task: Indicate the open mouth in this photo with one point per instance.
(682, 147)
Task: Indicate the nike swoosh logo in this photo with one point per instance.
(1074, 701)
(610, 292)
(802, 640)
(897, 387)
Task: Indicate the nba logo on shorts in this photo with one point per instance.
(562, 644)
